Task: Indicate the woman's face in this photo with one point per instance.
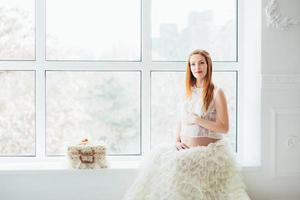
(198, 66)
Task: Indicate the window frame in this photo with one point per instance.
(40, 65)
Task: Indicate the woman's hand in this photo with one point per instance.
(181, 146)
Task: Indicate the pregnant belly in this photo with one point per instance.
(195, 135)
(197, 141)
(190, 130)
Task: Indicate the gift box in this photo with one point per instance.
(87, 156)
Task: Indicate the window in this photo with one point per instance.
(17, 30)
(17, 108)
(100, 105)
(93, 30)
(106, 70)
(178, 27)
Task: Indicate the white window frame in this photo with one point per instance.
(146, 66)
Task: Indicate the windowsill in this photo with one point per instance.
(61, 164)
(64, 167)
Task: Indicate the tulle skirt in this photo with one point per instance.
(199, 173)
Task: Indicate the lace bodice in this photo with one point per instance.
(194, 105)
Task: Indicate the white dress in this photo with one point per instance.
(198, 173)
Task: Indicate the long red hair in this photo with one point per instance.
(190, 80)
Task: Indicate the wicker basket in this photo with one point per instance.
(87, 156)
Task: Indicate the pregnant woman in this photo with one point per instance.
(200, 165)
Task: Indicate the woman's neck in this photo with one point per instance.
(199, 83)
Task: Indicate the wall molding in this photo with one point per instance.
(281, 81)
(275, 18)
(291, 142)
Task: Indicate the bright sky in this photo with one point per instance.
(106, 21)
(96, 24)
(177, 11)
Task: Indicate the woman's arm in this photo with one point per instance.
(179, 145)
(221, 124)
(177, 131)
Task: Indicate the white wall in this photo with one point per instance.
(278, 177)
(106, 184)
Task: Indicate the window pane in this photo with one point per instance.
(17, 32)
(17, 113)
(227, 81)
(93, 30)
(98, 105)
(178, 27)
(167, 89)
